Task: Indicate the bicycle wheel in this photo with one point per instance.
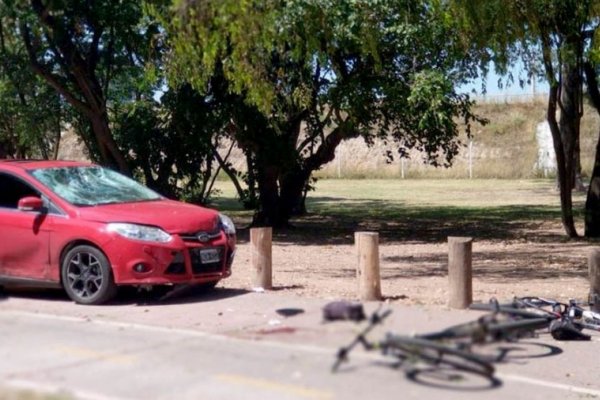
(514, 329)
(511, 309)
(436, 354)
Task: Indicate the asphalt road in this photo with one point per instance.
(236, 347)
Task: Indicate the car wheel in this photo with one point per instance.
(87, 276)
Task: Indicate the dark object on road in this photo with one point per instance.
(289, 312)
(563, 329)
(343, 310)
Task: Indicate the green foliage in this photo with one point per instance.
(92, 54)
(310, 55)
(504, 32)
(30, 112)
(229, 34)
(323, 71)
(171, 142)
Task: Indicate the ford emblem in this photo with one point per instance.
(203, 237)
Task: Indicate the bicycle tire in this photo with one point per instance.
(436, 354)
(485, 331)
(588, 325)
(504, 329)
(509, 309)
(589, 320)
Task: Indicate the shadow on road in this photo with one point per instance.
(453, 379)
(132, 295)
(35, 293)
(526, 350)
(184, 294)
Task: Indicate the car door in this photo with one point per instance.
(24, 235)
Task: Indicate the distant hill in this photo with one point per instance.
(505, 148)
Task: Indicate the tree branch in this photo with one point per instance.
(592, 85)
(326, 151)
(51, 78)
(225, 167)
(2, 43)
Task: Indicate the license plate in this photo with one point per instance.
(208, 256)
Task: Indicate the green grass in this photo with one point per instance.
(22, 394)
(421, 210)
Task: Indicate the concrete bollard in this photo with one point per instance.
(367, 271)
(460, 273)
(261, 242)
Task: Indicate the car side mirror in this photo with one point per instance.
(31, 203)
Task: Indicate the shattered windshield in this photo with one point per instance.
(91, 186)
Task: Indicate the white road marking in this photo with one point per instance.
(551, 385)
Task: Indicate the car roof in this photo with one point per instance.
(40, 164)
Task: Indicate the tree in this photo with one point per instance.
(30, 112)
(592, 204)
(79, 48)
(555, 34)
(172, 142)
(313, 73)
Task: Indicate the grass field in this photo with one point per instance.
(421, 209)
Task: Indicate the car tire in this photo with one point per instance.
(87, 276)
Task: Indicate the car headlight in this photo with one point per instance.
(139, 232)
(227, 224)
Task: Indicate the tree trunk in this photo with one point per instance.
(592, 203)
(570, 101)
(282, 182)
(109, 151)
(292, 186)
(269, 207)
(564, 185)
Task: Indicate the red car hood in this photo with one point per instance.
(171, 216)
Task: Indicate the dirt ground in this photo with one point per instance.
(415, 272)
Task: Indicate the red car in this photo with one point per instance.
(89, 229)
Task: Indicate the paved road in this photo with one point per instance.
(236, 347)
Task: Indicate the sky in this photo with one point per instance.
(512, 89)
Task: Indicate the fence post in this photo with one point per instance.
(470, 158)
(460, 271)
(594, 273)
(261, 239)
(367, 272)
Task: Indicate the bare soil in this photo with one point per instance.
(533, 260)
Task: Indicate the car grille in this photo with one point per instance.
(177, 266)
(200, 267)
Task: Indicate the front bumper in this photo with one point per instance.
(183, 260)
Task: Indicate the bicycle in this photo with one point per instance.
(450, 347)
(567, 320)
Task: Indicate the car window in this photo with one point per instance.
(12, 190)
(90, 186)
